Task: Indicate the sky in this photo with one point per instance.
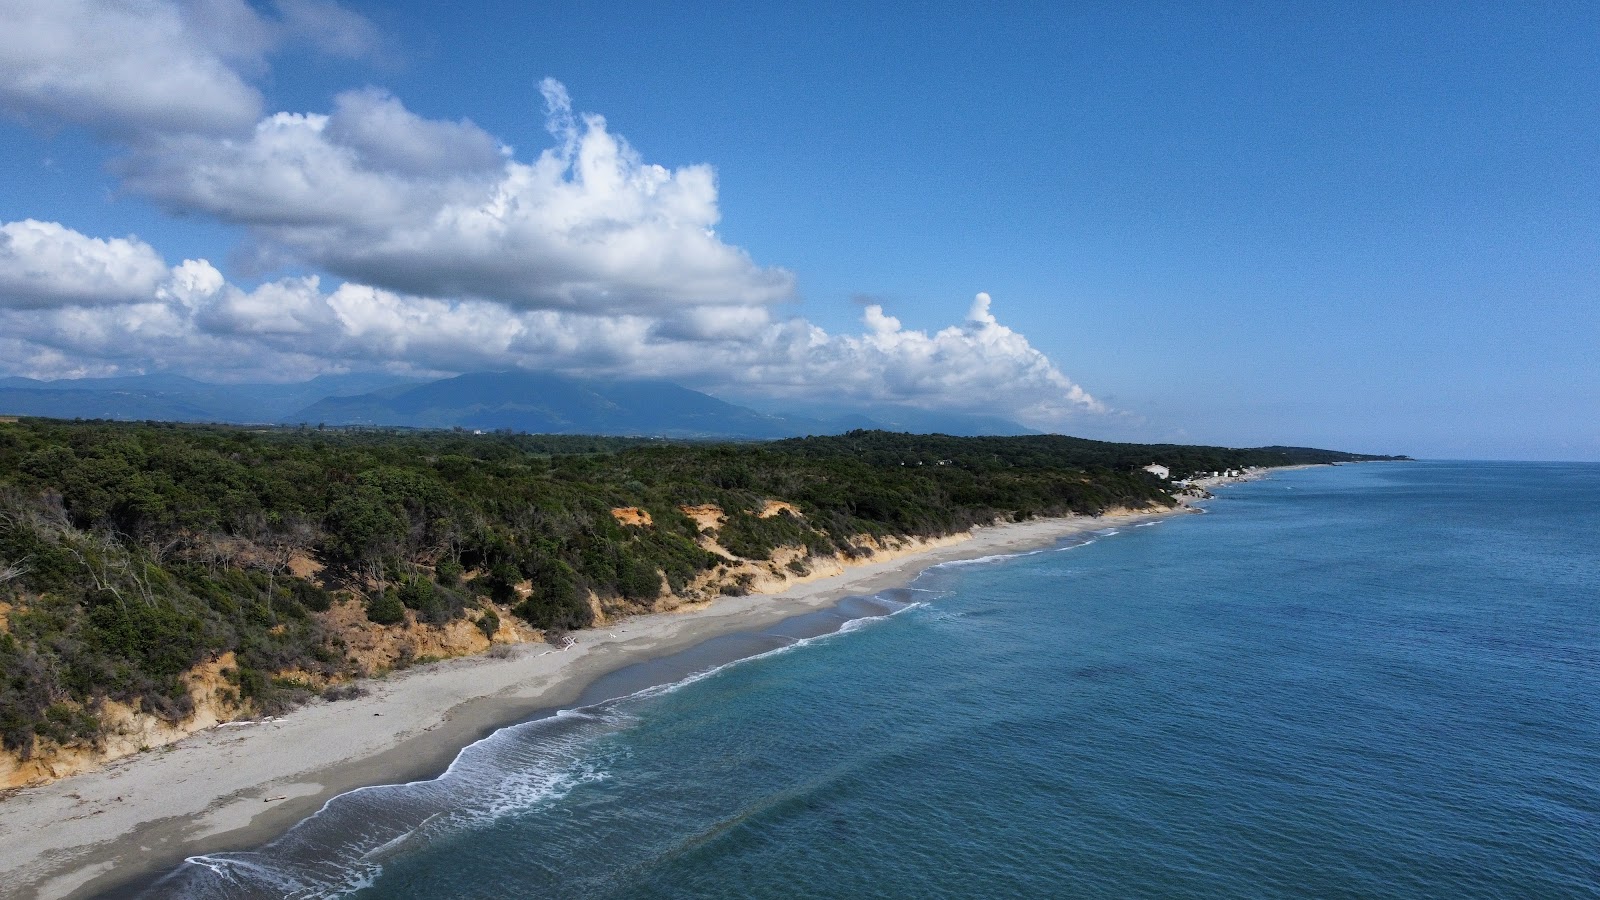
(1364, 226)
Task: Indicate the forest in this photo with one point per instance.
(131, 552)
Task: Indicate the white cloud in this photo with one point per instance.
(450, 255)
(117, 66)
(978, 366)
(134, 67)
(286, 177)
(291, 307)
(379, 195)
(329, 27)
(190, 318)
(387, 137)
(43, 265)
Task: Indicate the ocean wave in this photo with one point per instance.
(848, 626)
(341, 848)
(1068, 543)
(862, 622)
(983, 560)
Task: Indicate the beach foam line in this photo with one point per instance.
(1071, 542)
(848, 626)
(985, 560)
(342, 847)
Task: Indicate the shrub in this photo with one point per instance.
(385, 608)
(556, 600)
(489, 623)
(448, 572)
(160, 639)
(637, 579)
(502, 582)
(338, 692)
(417, 594)
(310, 596)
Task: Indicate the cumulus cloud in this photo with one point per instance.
(435, 248)
(44, 265)
(977, 366)
(387, 137)
(117, 66)
(289, 177)
(379, 195)
(162, 66)
(117, 306)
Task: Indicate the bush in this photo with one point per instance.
(637, 579)
(489, 623)
(310, 595)
(162, 640)
(334, 693)
(556, 600)
(502, 582)
(418, 594)
(448, 572)
(386, 608)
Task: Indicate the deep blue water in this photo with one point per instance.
(1362, 681)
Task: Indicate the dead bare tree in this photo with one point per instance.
(12, 571)
(293, 536)
(99, 572)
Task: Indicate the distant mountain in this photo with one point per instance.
(100, 404)
(556, 404)
(923, 421)
(910, 419)
(536, 403)
(173, 398)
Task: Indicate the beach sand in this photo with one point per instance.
(238, 786)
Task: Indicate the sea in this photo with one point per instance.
(1363, 681)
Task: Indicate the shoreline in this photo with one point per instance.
(237, 787)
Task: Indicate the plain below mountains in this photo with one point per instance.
(518, 401)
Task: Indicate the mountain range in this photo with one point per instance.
(536, 403)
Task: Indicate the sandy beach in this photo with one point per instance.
(237, 786)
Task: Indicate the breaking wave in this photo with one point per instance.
(341, 849)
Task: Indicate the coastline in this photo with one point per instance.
(236, 787)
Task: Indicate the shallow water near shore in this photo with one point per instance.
(1376, 680)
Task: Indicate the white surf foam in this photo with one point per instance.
(340, 849)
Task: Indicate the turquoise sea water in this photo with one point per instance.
(1362, 681)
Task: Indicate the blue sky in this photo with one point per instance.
(1365, 226)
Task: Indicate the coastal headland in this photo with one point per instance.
(237, 785)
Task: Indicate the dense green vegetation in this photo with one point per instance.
(131, 552)
(989, 455)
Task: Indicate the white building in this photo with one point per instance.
(1158, 471)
